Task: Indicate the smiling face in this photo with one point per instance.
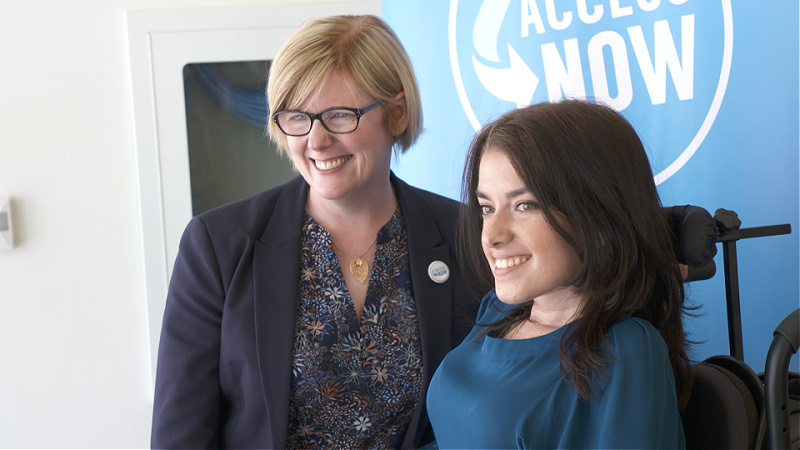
(345, 166)
(529, 260)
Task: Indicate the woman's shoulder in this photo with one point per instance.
(253, 211)
(436, 203)
(258, 202)
(633, 325)
(430, 216)
(235, 226)
(636, 338)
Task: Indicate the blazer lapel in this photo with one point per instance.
(433, 300)
(276, 271)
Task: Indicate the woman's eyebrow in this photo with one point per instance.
(518, 192)
(512, 194)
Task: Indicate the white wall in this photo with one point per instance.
(75, 369)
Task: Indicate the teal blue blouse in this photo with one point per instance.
(496, 393)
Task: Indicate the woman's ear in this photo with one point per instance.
(398, 114)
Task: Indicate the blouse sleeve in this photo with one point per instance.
(637, 408)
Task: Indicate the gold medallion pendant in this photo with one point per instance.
(359, 268)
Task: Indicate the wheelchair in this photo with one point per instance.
(730, 405)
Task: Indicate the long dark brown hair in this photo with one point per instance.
(590, 173)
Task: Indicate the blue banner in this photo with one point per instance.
(711, 86)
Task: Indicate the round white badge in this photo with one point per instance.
(438, 271)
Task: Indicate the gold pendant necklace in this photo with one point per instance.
(359, 266)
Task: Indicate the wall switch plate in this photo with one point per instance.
(6, 228)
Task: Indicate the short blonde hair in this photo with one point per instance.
(364, 47)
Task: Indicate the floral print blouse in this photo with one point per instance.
(354, 384)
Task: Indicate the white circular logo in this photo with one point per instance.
(438, 271)
(664, 64)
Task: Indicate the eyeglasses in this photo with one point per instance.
(338, 120)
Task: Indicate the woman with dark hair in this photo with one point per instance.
(580, 341)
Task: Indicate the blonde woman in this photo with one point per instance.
(313, 315)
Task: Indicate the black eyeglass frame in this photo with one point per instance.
(357, 111)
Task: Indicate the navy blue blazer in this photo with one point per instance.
(225, 355)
